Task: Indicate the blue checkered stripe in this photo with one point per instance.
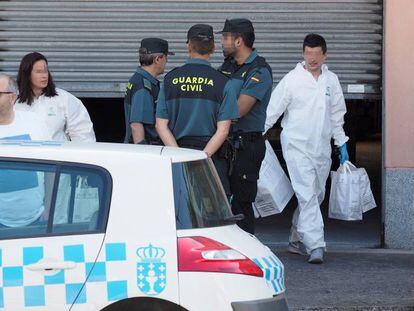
(34, 289)
(274, 272)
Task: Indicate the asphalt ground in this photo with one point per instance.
(363, 279)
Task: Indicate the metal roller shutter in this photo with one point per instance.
(92, 45)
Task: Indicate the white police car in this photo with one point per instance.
(124, 227)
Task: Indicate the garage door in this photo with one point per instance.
(92, 45)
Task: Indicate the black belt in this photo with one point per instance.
(155, 142)
(198, 142)
(249, 135)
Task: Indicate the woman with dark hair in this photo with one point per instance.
(64, 114)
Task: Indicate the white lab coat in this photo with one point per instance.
(65, 116)
(313, 114)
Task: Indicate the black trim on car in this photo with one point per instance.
(53, 199)
(276, 303)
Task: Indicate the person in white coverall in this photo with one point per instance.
(64, 114)
(311, 99)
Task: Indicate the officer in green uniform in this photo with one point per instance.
(197, 103)
(252, 80)
(142, 92)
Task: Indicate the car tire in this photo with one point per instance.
(143, 304)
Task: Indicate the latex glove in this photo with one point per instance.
(343, 155)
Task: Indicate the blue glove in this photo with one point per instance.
(343, 156)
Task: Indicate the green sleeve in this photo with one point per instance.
(257, 83)
(162, 109)
(142, 108)
(228, 108)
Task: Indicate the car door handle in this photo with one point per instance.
(52, 265)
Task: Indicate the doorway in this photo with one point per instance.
(363, 126)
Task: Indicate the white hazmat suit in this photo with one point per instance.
(65, 116)
(313, 114)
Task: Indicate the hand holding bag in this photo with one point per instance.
(351, 193)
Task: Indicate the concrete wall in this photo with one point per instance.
(399, 123)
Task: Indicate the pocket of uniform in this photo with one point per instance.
(247, 189)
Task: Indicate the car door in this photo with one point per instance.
(52, 222)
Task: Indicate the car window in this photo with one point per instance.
(79, 200)
(49, 199)
(199, 198)
(24, 198)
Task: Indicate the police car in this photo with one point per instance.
(125, 227)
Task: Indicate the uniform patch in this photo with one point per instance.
(192, 84)
(151, 270)
(51, 111)
(128, 87)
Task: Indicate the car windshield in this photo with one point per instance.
(199, 197)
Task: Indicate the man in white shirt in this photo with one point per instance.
(21, 191)
(311, 99)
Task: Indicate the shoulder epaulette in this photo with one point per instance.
(261, 62)
(224, 73)
(147, 84)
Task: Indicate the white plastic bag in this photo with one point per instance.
(273, 187)
(63, 200)
(367, 198)
(350, 193)
(86, 201)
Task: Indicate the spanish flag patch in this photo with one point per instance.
(255, 79)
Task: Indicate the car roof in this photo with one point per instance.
(47, 150)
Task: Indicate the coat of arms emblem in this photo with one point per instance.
(151, 270)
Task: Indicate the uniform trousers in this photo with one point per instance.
(244, 176)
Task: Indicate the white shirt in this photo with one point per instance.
(65, 116)
(22, 192)
(25, 126)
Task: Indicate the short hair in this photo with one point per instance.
(23, 78)
(314, 40)
(11, 83)
(148, 59)
(248, 38)
(202, 46)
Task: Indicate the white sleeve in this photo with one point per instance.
(338, 110)
(79, 126)
(278, 103)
